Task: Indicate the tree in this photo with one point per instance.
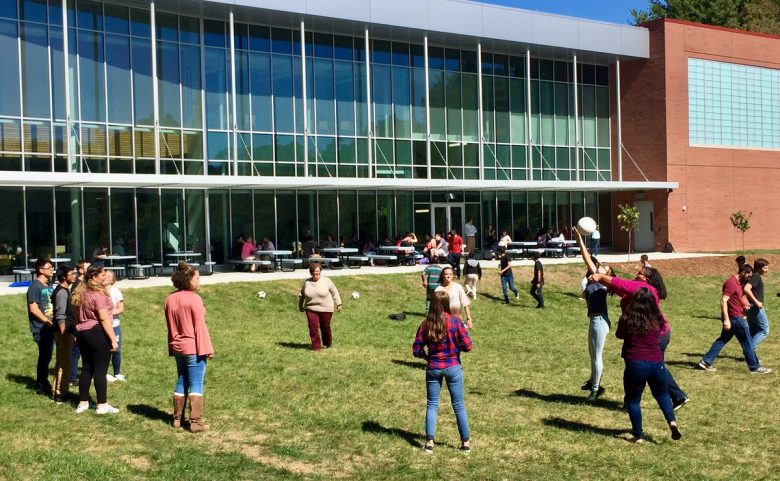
(753, 15)
(741, 221)
(628, 218)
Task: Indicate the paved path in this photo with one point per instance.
(232, 276)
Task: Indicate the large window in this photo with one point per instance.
(733, 105)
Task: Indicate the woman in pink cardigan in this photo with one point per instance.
(319, 298)
(189, 343)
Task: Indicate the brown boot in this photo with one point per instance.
(196, 414)
(178, 410)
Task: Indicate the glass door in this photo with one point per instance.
(445, 217)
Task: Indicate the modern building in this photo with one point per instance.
(704, 110)
(152, 127)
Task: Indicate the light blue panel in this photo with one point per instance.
(598, 37)
(555, 31)
(409, 13)
(462, 17)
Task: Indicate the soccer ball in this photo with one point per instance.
(261, 294)
(586, 226)
(356, 295)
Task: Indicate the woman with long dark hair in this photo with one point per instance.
(440, 340)
(95, 335)
(641, 327)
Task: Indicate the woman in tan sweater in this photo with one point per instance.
(318, 298)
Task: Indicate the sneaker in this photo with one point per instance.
(110, 378)
(60, 398)
(83, 408)
(680, 403)
(587, 386)
(636, 440)
(428, 448)
(120, 377)
(596, 394)
(106, 409)
(517, 297)
(705, 366)
(74, 383)
(465, 448)
(676, 434)
(761, 370)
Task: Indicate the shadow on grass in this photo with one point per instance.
(26, 381)
(579, 427)
(720, 356)
(569, 399)
(491, 296)
(295, 345)
(571, 294)
(149, 412)
(412, 364)
(685, 364)
(413, 439)
(418, 314)
(716, 318)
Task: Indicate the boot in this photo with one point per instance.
(178, 410)
(196, 414)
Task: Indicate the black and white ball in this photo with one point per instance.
(261, 294)
(355, 295)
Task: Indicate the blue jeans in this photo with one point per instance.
(597, 335)
(594, 246)
(675, 392)
(759, 325)
(433, 379)
(635, 376)
(739, 328)
(508, 281)
(116, 357)
(75, 355)
(191, 370)
(45, 341)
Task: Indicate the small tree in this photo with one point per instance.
(628, 218)
(741, 221)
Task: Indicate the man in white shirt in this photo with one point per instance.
(471, 235)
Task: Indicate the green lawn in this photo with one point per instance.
(356, 411)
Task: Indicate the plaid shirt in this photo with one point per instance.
(446, 353)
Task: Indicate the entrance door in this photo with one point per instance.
(644, 235)
(445, 217)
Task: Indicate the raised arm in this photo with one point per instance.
(585, 253)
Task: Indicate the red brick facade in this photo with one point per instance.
(714, 182)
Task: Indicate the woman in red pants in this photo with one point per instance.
(319, 298)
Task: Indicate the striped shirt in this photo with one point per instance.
(445, 353)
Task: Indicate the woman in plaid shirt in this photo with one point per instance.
(440, 339)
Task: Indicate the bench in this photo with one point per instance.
(388, 258)
(553, 251)
(157, 268)
(176, 264)
(514, 253)
(355, 262)
(136, 271)
(531, 252)
(572, 251)
(289, 265)
(209, 267)
(20, 274)
(249, 262)
(329, 261)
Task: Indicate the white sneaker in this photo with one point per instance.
(120, 377)
(80, 408)
(517, 297)
(106, 409)
(110, 378)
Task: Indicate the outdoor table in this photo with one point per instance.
(186, 256)
(523, 246)
(405, 253)
(341, 252)
(54, 260)
(275, 255)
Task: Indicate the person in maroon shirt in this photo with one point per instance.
(456, 249)
(440, 340)
(733, 305)
(641, 327)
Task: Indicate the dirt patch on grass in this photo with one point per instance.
(137, 462)
(695, 266)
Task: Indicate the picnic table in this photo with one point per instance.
(342, 253)
(276, 256)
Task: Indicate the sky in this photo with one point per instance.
(615, 11)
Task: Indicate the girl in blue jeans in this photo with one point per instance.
(641, 327)
(440, 340)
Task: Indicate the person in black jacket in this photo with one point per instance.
(473, 272)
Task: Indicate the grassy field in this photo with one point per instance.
(356, 411)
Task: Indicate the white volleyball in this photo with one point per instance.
(356, 295)
(261, 294)
(586, 226)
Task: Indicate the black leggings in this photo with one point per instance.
(95, 354)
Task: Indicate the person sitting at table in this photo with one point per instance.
(237, 247)
(309, 247)
(99, 254)
(328, 242)
(248, 252)
(441, 249)
(503, 242)
(118, 249)
(267, 245)
(408, 240)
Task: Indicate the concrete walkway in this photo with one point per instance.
(232, 276)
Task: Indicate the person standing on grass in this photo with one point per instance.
(63, 332)
(596, 296)
(40, 315)
(507, 277)
(537, 283)
(119, 308)
(430, 281)
(471, 236)
(459, 301)
(319, 298)
(75, 354)
(754, 290)
(595, 240)
(189, 343)
(650, 278)
(95, 335)
(473, 272)
(440, 339)
(733, 306)
(641, 327)
(455, 243)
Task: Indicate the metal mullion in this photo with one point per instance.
(273, 116)
(155, 90)
(529, 160)
(481, 114)
(251, 129)
(619, 125)
(276, 226)
(110, 223)
(335, 116)
(54, 210)
(24, 218)
(427, 109)
(576, 121)
(304, 103)
(78, 96)
(233, 92)
(207, 226)
(21, 107)
(203, 120)
(51, 110)
(105, 100)
(369, 120)
(181, 102)
(134, 150)
(160, 225)
(135, 224)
